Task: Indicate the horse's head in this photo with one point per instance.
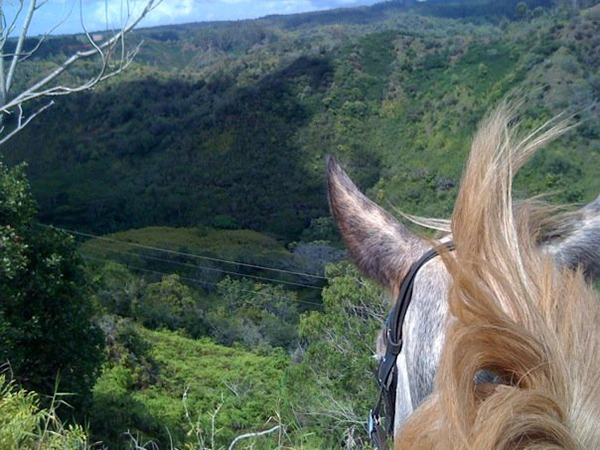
(384, 249)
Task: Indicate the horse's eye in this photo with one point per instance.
(487, 377)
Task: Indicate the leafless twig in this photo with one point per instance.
(23, 123)
(253, 435)
(45, 86)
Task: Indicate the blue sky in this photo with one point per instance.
(169, 11)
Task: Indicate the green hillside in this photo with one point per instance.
(206, 256)
(241, 135)
(165, 387)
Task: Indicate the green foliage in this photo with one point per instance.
(331, 388)
(255, 315)
(251, 163)
(522, 10)
(224, 222)
(17, 209)
(482, 70)
(321, 229)
(222, 126)
(221, 253)
(25, 425)
(191, 380)
(171, 304)
(243, 246)
(130, 367)
(46, 328)
(199, 239)
(480, 10)
(116, 288)
(227, 126)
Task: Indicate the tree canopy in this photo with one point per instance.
(46, 330)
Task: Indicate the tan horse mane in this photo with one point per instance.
(514, 313)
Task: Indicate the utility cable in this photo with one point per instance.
(195, 280)
(174, 252)
(194, 266)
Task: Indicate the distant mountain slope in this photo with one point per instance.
(233, 120)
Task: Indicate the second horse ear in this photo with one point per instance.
(381, 247)
(577, 244)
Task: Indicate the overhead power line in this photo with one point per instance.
(190, 255)
(194, 266)
(195, 280)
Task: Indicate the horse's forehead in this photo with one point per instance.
(428, 304)
(432, 280)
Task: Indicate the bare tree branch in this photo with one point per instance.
(22, 124)
(34, 92)
(22, 36)
(111, 62)
(7, 31)
(23, 56)
(253, 435)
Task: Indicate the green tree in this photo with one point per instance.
(254, 314)
(522, 10)
(46, 327)
(482, 70)
(171, 304)
(331, 387)
(115, 287)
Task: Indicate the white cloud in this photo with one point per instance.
(103, 14)
(172, 9)
(116, 13)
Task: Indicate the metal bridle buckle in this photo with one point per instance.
(371, 422)
(393, 347)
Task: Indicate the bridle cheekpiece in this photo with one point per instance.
(387, 372)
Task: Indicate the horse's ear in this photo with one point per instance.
(578, 242)
(380, 246)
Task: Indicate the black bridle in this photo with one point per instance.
(387, 373)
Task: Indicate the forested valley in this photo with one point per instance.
(170, 275)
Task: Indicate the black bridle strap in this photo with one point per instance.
(398, 313)
(387, 372)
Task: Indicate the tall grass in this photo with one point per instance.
(24, 424)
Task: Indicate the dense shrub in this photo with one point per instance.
(46, 327)
(254, 315)
(330, 388)
(169, 304)
(192, 381)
